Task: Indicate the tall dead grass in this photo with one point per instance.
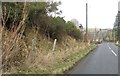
(23, 59)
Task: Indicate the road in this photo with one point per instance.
(103, 60)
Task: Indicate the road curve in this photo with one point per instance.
(103, 60)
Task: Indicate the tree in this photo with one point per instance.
(117, 27)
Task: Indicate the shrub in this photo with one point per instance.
(56, 28)
(72, 30)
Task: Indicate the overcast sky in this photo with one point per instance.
(101, 13)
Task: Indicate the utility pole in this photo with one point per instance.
(95, 34)
(86, 22)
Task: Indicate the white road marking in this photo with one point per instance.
(112, 51)
(109, 48)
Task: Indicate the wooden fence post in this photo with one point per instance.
(54, 44)
(33, 50)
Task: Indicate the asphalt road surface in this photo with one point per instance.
(103, 60)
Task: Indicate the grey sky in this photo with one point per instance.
(101, 13)
(119, 5)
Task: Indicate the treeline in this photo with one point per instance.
(39, 15)
(116, 28)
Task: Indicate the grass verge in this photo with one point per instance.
(59, 66)
(71, 60)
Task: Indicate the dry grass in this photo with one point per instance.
(42, 59)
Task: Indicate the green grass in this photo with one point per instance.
(71, 60)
